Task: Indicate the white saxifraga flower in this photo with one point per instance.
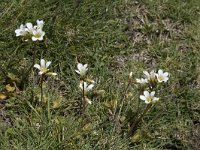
(150, 76)
(82, 69)
(142, 81)
(35, 32)
(162, 76)
(21, 31)
(40, 24)
(43, 67)
(86, 87)
(29, 27)
(148, 97)
(38, 35)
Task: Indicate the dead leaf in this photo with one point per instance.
(9, 88)
(57, 103)
(87, 127)
(2, 96)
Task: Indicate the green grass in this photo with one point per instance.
(113, 37)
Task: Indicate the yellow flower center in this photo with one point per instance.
(43, 69)
(149, 99)
(37, 35)
(160, 78)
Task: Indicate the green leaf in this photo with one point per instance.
(13, 77)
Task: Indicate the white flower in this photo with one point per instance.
(43, 67)
(21, 31)
(40, 24)
(29, 27)
(34, 31)
(86, 87)
(162, 76)
(82, 69)
(38, 35)
(142, 81)
(150, 76)
(149, 97)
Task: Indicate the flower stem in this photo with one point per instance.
(48, 109)
(27, 72)
(42, 95)
(134, 126)
(84, 102)
(124, 96)
(41, 88)
(117, 113)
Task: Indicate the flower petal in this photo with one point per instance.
(48, 64)
(146, 93)
(29, 25)
(37, 66)
(155, 99)
(147, 102)
(54, 74)
(160, 71)
(18, 32)
(34, 39)
(40, 24)
(77, 71)
(152, 74)
(41, 38)
(146, 73)
(152, 93)
(142, 97)
(43, 33)
(88, 101)
(85, 66)
(85, 85)
(138, 80)
(40, 73)
(166, 78)
(90, 87)
(42, 63)
(79, 66)
(145, 81)
(22, 26)
(81, 85)
(166, 74)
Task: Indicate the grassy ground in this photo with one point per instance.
(113, 37)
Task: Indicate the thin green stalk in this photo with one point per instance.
(41, 97)
(27, 72)
(134, 126)
(84, 104)
(29, 104)
(41, 88)
(117, 114)
(124, 96)
(48, 109)
(33, 59)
